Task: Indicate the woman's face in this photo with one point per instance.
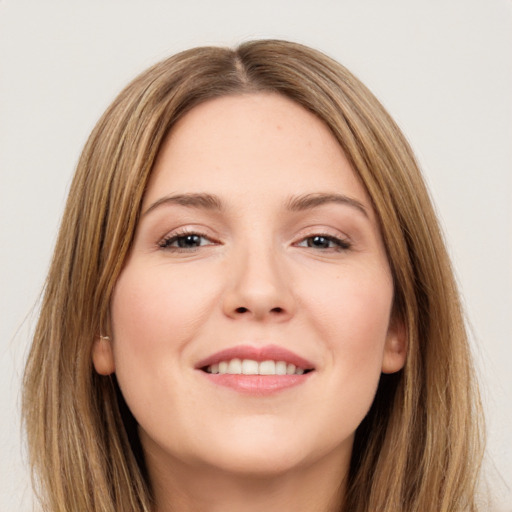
(257, 251)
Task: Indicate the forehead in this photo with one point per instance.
(250, 145)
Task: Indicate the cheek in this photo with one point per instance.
(155, 313)
(357, 330)
(348, 313)
(352, 312)
(151, 307)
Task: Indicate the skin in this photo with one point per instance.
(256, 279)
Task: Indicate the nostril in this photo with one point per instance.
(243, 309)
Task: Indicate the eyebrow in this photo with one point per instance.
(203, 201)
(294, 204)
(308, 201)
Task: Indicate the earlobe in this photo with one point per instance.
(395, 350)
(103, 356)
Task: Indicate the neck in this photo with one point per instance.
(319, 487)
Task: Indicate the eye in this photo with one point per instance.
(324, 242)
(185, 241)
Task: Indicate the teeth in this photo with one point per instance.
(235, 366)
(280, 368)
(250, 367)
(268, 368)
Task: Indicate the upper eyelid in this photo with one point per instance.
(218, 234)
(322, 230)
(341, 241)
(168, 244)
(188, 230)
(324, 235)
(184, 233)
(197, 231)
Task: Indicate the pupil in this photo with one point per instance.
(319, 241)
(189, 241)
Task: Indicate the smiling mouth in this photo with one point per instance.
(257, 371)
(238, 366)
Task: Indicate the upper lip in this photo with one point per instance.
(263, 353)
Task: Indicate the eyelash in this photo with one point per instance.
(166, 242)
(339, 244)
(336, 244)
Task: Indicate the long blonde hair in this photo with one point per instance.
(418, 449)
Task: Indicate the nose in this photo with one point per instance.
(259, 288)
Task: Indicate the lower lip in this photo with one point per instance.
(257, 384)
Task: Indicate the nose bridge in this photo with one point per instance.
(259, 286)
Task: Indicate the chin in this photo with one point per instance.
(263, 452)
(258, 463)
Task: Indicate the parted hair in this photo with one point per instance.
(419, 447)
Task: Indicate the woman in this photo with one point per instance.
(250, 305)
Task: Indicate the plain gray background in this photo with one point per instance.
(443, 68)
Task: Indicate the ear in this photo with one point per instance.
(395, 349)
(103, 356)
